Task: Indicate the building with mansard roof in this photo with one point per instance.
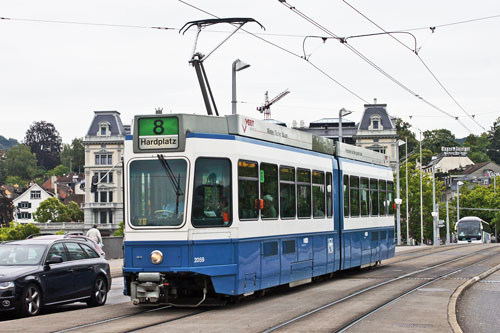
(103, 145)
(377, 131)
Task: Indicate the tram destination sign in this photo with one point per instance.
(158, 133)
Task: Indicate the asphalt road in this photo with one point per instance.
(479, 307)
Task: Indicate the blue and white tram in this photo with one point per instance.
(218, 207)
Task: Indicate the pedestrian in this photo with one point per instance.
(95, 235)
(268, 211)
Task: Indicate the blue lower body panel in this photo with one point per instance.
(364, 247)
(242, 266)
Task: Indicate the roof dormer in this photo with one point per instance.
(375, 123)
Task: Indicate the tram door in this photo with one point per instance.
(270, 264)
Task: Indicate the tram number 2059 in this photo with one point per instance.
(199, 259)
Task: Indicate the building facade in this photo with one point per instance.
(103, 155)
(377, 131)
(27, 203)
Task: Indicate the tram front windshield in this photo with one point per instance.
(157, 192)
(469, 229)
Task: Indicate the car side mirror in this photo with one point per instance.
(55, 259)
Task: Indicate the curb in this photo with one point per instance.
(452, 304)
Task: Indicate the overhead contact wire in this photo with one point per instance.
(285, 50)
(371, 63)
(421, 60)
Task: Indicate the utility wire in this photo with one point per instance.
(287, 51)
(432, 28)
(87, 23)
(371, 63)
(421, 60)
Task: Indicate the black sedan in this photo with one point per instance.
(49, 270)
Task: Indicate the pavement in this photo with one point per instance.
(116, 265)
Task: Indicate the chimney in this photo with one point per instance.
(302, 124)
(294, 123)
(375, 101)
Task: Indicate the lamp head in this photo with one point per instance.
(239, 65)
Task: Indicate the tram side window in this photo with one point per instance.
(346, 195)
(269, 190)
(329, 194)
(304, 192)
(287, 192)
(318, 190)
(354, 194)
(373, 197)
(248, 190)
(212, 204)
(364, 196)
(382, 197)
(390, 198)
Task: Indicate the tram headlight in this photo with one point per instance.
(156, 257)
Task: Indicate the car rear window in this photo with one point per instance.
(75, 251)
(90, 253)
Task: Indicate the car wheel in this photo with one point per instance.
(31, 300)
(99, 292)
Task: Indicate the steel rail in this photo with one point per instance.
(368, 314)
(364, 290)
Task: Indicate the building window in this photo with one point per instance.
(24, 216)
(24, 204)
(104, 129)
(104, 159)
(375, 123)
(35, 194)
(105, 177)
(104, 217)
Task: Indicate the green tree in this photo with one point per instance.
(478, 147)
(6, 211)
(494, 142)
(73, 155)
(20, 161)
(52, 210)
(404, 133)
(435, 139)
(75, 213)
(44, 140)
(13, 180)
(479, 197)
(59, 170)
(414, 201)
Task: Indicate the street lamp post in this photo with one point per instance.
(421, 198)
(407, 209)
(459, 183)
(238, 65)
(434, 211)
(342, 112)
(398, 200)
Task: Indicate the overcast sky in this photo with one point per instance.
(61, 72)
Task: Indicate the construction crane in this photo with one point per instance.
(266, 108)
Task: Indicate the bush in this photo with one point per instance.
(119, 232)
(18, 231)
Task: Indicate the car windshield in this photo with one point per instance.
(21, 254)
(157, 189)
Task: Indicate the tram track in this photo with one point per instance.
(101, 324)
(363, 293)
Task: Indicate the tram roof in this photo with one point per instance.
(245, 126)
